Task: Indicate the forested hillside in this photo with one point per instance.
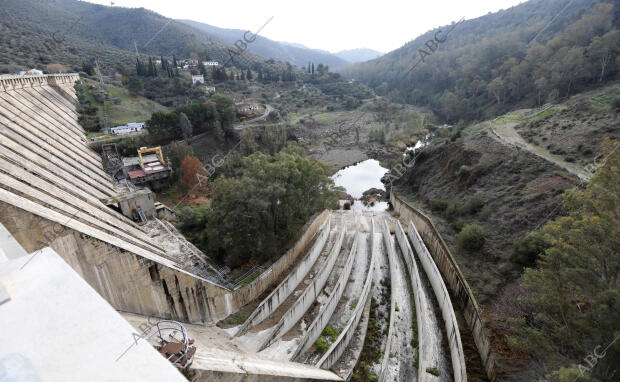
(38, 33)
(524, 56)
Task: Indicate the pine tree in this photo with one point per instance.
(249, 74)
(186, 127)
(308, 66)
(174, 61)
(313, 68)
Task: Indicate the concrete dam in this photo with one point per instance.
(310, 311)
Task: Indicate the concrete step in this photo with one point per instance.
(36, 116)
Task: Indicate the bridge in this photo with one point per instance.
(345, 267)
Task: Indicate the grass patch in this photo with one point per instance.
(507, 119)
(249, 279)
(433, 371)
(604, 101)
(546, 113)
(234, 320)
(327, 118)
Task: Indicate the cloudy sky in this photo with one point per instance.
(332, 25)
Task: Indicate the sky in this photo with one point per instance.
(331, 25)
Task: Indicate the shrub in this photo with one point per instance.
(486, 212)
(321, 345)
(439, 205)
(471, 237)
(331, 332)
(454, 209)
(615, 105)
(525, 251)
(459, 224)
(464, 171)
(474, 205)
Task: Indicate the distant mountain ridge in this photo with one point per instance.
(296, 54)
(359, 55)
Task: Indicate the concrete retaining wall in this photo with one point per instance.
(387, 240)
(454, 279)
(424, 354)
(334, 352)
(320, 322)
(128, 281)
(286, 287)
(309, 295)
(443, 298)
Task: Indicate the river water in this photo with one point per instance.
(358, 178)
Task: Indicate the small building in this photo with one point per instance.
(135, 205)
(136, 125)
(126, 129)
(198, 79)
(210, 63)
(210, 89)
(148, 170)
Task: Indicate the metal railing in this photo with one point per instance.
(173, 328)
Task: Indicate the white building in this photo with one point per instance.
(246, 108)
(210, 89)
(196, 79)
(131, 127)
(210, 63)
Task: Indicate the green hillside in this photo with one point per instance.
(38, 33)
(524, 56)
(120, 107)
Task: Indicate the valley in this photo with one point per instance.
(257, 210)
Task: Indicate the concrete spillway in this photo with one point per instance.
(343, 305)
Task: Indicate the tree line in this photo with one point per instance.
(218, 113)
